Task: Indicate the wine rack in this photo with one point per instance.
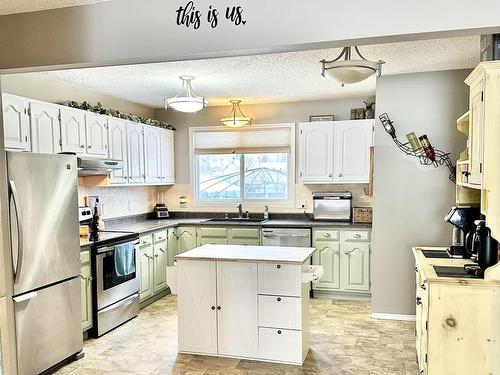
(442, 158)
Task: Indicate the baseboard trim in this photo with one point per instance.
(383, 316)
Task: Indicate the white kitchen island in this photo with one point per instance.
(245, 301)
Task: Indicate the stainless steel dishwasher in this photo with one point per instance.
(298, 237)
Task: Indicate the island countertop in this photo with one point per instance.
(244, 253)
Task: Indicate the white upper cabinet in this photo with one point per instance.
(16, 123)
(316, 152)
(351, 159)
(135, 147)
(73, 131)
(96, 127)
(152, 154)
(117, 146)
(45, 128)
(167, 156)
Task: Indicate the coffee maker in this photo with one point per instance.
(462, 218)
(484, 250)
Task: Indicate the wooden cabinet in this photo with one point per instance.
(117, 148)
(96, 128)
(167, 156)
(476, 124)
(186, 239)
(135, 147)
(73, 137)
(16, 123)
(86, 290)
(335, 152)
(152, 157)
(45, 128)
(316, 152)
(345, 257)
(351, 159)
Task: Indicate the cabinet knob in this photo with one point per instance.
(213, 307)
(423, 286)
(218, 307)
(419, 301)
(278, 266)
(82, 146)
(279, 332)
(278, 299)
(337, 252)
(340, 174)
(330, 175)
(89, 146)
(156, 255)
(416, 269)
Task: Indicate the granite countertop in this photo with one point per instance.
(241, 253)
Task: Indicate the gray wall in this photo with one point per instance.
(410, 200)
(260, 113)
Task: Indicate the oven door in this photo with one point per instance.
(112, 288)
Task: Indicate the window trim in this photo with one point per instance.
(285, 203)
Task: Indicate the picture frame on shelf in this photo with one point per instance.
(319, 118)
(357, 113)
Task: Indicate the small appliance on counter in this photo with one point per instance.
(161, 211)
(462, 218)
(484, 249)
(332, 206)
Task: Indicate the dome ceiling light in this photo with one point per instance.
(349, 70)
(186, 100)
(236, 118)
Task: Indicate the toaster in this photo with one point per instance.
(333, 206)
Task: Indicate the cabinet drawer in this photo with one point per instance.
(280, 345)
(85, 257)
(280, 279)
(146, 240)
(357, 235)
(212, 232)
(280, 312)
(245, 233)
(159, 236)
(326, 235)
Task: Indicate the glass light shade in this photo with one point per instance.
(236, 118)
(186, 100)
(350, 71)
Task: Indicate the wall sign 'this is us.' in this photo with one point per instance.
(190, 16)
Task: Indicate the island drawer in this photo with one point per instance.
(279, 279)
(280, 345)
(357, 235)
(146, 240)
(280, 312)
(326, 235)
(159, 236)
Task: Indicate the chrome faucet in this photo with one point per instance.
(240, 211)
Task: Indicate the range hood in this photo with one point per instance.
(95, 167)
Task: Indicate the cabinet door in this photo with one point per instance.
(45, 128)
(16, 123)
(167, 156)
(86, 294)
(73, 131)
(171, 246)
(476, 129)
(96, 127)
(316, 152)
(146, 259)
(355, 266)
(196, 302)
(135, 146)
(152, 154)
(117, 146)
(327, 254)
(351, 159)
(186, 239)
(237, 309)
(160, 266)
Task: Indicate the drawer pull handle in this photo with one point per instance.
(279, 332)
(416, 269)
(326, 235)
(423, 286)
(213, 307)
(419, 301)
(357, 235)
(278, 299)
(278, 266)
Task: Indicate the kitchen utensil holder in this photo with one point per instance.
(442, 158)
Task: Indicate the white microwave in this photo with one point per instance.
(333, 206)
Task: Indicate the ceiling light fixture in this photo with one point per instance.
(236, 118)
(349, 70)
(186, 100)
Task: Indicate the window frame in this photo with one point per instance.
(194, 178)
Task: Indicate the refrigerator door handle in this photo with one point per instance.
(20, 230)
(25, 297)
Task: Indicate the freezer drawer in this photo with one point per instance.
(48, 326)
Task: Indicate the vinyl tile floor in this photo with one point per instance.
(344, 340)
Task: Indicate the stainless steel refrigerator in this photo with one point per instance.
(43, 207)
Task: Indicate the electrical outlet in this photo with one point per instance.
(301, 203)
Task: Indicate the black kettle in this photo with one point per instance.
(484, 247)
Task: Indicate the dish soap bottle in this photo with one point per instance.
(266, 213)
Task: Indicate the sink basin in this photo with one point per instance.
(236, 220)
(435, 254)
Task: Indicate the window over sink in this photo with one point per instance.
(254, 166)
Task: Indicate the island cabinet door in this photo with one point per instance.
(237, 309)
(197, 306)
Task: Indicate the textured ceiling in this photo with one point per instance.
(280, 77)
(21, 6)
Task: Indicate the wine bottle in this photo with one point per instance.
(415, 144)
(428, 149)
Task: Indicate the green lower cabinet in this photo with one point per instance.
(86, 297)
(160, 253)
(171, 246)
(244, 236)
(212, 236)
(356, 266)
(328, 255)
(146, 263)
(186, 239)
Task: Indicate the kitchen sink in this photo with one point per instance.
(436, 254)
(236, 220)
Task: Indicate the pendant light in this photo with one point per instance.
(236, 118)
(186, 100)
(346, 70)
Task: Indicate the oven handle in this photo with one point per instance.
(270, 235)
(127, 301)
(101, 250)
